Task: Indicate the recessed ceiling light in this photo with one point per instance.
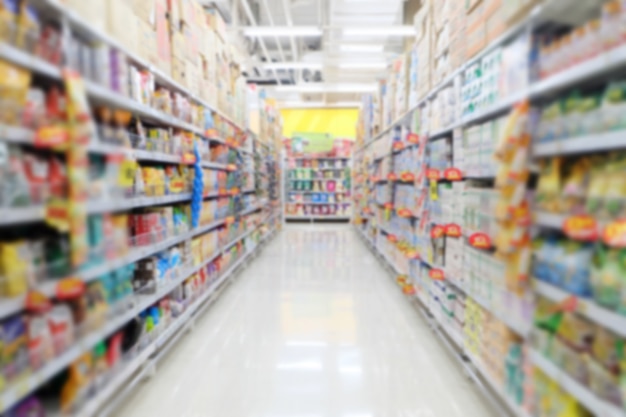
(324, 87)
(380, 31)
(268, 31)
(294, 65)
(355, 47)
(363, 65)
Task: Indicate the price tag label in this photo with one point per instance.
(584, 228)
(453, 174)
(436, 232)
(70, 288)
(37, 302)
(412, 254)
(570, 304)
(436, 274)
(51, 136)
(404, 213)
(614, 234)
(407, 177)
(401, 279)
(392, 238)
(177, 186)
(413, 138)
(398, 146)
(189, 158)
(388, 206)
(231, 167)
(57, 214)
(408, 289)
(480, 241)
(392, 177)
(453, 230)
(433, 174)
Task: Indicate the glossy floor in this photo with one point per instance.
(314, 327)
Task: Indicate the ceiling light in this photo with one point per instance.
(380, 31)
(294, 65)
(363, 65)
(361, 48)
(329, 88)
(318, 105)
(269, 31)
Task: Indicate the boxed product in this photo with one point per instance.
(144, 10)
(216, 22)
(162, 29)
(476, 30)
(94, 11)
(121, 23)
(147, 44)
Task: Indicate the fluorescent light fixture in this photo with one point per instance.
(317, 105)
(380, 31)
(271, 31)
(294, 65)
(355, 47)
(327, 88)
(363, 65)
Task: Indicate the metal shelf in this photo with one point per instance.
(19, 390)
(320, 217)
(584, 395)
(29, 61)
(595, 142)
(495, 392)
(169, 336)
(586, 307)
(80, 25)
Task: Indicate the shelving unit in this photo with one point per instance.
(317, 189)
(457, 124)
(135, 219)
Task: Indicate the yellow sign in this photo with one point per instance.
(339, 123)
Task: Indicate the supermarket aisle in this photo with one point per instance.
(314, 327)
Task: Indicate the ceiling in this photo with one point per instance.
(334, 68)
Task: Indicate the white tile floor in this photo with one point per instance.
(313, 328)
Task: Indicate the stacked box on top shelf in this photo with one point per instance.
(401, 70)
(423, 42)
(413, 77)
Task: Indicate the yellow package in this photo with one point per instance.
(14, 84)
(15, 267)
(28, 28)
(8, 21)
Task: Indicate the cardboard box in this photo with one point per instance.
(147, 42)
(173, 8)
(216, 22)
(192, 40)
(162, 29)
(144, 10)
(495, 25)
(185, 11)
(94, 11)
(179, 68)
(122, 23)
